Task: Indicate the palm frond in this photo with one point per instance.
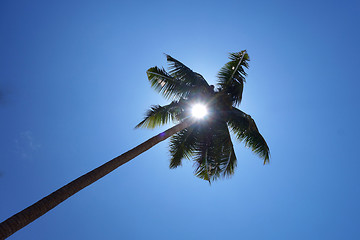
(228, 157)
(158, 115)
(232, 75)
(182, 145)
(203, 154)
(179, 71)
(214, 155)
(245, 130)
(167, 85)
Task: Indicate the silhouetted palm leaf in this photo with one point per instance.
(185, 74)
(246, 130)
(159, 115)
(232, 75)
(214, 156)
(167, 85)
(182, 145)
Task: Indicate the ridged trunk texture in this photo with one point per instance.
(26, 216)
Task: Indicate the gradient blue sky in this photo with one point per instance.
(73, 86)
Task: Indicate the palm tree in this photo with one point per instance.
(205, 140)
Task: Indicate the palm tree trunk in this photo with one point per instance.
(26, 216)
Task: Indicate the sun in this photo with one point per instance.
(199, 111)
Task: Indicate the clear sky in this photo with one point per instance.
(73, 86)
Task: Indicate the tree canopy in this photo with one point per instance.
(207, 142)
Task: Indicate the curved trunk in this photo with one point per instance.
(26, 216)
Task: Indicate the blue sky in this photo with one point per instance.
(73, 86)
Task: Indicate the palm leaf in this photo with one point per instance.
(179, 71)
(203, 154)
(203, 169)
(158, 115)
(214, 155)
(245, 130)
(228, 157)
(232, 75)
(167, 85)
(182, 145)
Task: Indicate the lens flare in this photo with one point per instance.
(199, 111)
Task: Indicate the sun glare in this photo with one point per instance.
(199, 111)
